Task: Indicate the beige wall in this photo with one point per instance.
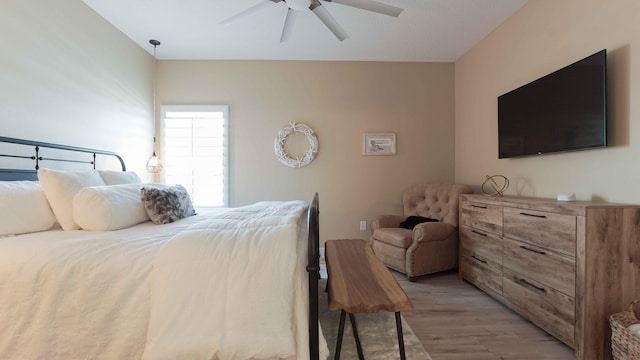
(68, 76)
(340, 101)
(542, 37)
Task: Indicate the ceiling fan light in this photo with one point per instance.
(328, 20)
(371, 5)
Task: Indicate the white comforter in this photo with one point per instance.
(228, 287)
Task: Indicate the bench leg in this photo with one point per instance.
(355, 335)
(400, 337)
(354, 327)
(340, 333)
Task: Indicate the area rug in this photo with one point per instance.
(377, 334)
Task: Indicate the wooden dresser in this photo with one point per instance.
(565, 266)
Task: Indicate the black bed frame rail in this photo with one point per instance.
(313, 268)
(37, 158)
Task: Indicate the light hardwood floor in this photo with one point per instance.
(454, 321)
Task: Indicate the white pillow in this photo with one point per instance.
(61, 186)
(100, 208)
(24, 208)
(119, 177)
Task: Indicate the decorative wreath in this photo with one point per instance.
(282, 154)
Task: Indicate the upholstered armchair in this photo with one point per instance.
(429, 247)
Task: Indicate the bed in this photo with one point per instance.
(238, 283)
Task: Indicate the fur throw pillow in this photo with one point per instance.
(166, 204)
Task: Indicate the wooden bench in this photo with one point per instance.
(360, 283)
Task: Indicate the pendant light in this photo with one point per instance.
(154, 165)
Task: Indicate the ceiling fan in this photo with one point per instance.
(295, 6)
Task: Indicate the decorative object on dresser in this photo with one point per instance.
(429, 246)
(565, 266)
(490, 186)
(568, 196)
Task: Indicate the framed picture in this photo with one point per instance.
(379, 144)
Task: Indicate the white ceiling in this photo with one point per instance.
(427, 30)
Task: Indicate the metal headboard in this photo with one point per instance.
(21, 174)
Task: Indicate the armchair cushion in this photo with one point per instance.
(398, 237)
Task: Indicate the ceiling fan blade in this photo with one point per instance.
(328, 20)
(371, 5)
(253, 9)
(289, 20)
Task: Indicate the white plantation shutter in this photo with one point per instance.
(195, 152)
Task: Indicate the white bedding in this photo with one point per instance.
(111, 295)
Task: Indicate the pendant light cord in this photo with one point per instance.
(155, 43)
(154, 165)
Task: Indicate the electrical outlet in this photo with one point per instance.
(363, 225)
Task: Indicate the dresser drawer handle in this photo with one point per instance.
(482, 261)
(533, 215)
(479, 206)
(532, 250)
(532, 286)
(478, 232)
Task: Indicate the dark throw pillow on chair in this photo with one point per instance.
(412, 221)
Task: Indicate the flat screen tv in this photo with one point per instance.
(562, 111)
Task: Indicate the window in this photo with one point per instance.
(195, 151)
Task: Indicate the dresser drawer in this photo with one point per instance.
(486, 245)
(481, 216)
(549, 268)
(483, 273)
(550, 309)
(549, 230)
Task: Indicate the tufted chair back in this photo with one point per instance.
(436, 201)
